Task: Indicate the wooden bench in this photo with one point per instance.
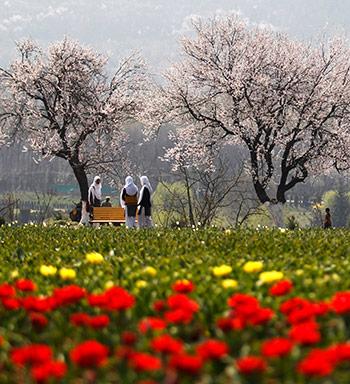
(107, 215)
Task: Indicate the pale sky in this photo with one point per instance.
(116, 27)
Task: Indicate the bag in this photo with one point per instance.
(130, 200)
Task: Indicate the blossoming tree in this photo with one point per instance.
(286, 102)
(63, 103)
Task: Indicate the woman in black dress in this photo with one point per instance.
(145, 204)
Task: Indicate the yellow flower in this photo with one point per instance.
(94, 258)
(299, 272)
(67, 273)
(141, 284)
(229, 283)
(222, 270)
(271, 276)
(109, 284)
(253, 266)
(150, 271)
(48, 270)
(14, 274)
(335, 277)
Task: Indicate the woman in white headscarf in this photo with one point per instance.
(145, 204)
(128, 200)
(95, 193)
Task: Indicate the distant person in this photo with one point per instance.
(145, 214)
(95, 193)
(107, 202)
(327, 219)
(75, 213)
(128, 201)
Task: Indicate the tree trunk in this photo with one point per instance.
(80, 175)
(189, 199)
(261, 193)
(276, 211)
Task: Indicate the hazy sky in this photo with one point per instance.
(154, 26)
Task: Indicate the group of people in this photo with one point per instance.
(135, 202)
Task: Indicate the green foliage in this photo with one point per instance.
(170, 204)
(316, 261)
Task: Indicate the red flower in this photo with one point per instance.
(146, 382)
(151, 324)
(33, 354)
(182, 309)
(181, 301)
(79, 319)
(38, 320)
(159, 305)
(178, 316)
(128, 338)
(183, 286)
(11, 304)
(144, 362)
(83, 319)
(124, 352)
(39, 304)
(251, 364)
(305, 333)
(167, 344)
(227, 324)
(114, 299)
(49, 370)
(90, 353)
(186, 363)
(281, 288)
(321, 308)
(293, 304)
(7, 290)
(25, 285)
(69, 294)
(316, 363)
(340, 352)
(243, 305)
(340, 302)
(246, 309)
(212, 349)
(100, 321)
(261, 316)
(276, 347)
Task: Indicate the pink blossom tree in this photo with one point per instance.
(286, 102)
(64, 104)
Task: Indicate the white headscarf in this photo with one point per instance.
(96, 189)
(130, 188)
(145, 184)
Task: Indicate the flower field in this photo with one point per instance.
(174, 306)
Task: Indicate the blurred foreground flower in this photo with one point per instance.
(271, 276)
(222, 270)
(94, 258)
(48, 270)
(229, 283)
(150, 271)
(67, 274)
(253, 266)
